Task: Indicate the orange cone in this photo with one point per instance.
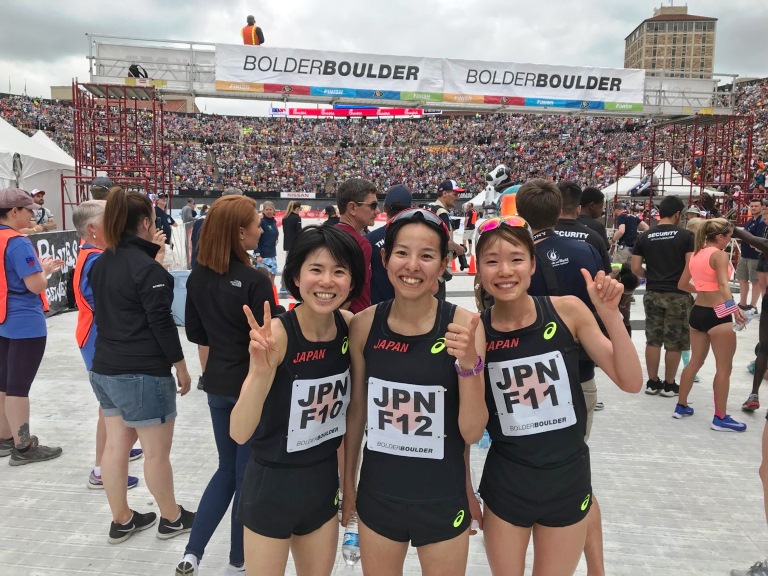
(453, 265)
(277, 298)
(292, 303)
(472, 267)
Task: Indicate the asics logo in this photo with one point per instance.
(459, 519)
(550, 330)
(585, 503)
(345, 345)
(438, 346)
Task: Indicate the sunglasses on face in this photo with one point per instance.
(423, 215)
(498, 221)
(372, 205)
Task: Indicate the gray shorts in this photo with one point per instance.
(746, 269)
(140, 399)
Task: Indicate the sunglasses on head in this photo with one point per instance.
(498, 221)
(420, 214)
(372, 205)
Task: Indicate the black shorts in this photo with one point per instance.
(419, 523)
(704, 319)
(762, 263)
(281, 502)
(524, 496)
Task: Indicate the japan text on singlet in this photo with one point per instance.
(305, 413)
(414, 450)
(537, 414)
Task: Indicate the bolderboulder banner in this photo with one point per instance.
(63, 245)
(320, 73)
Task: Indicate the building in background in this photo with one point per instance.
(673, 43)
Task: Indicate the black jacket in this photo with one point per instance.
(214, 317)
(291, 228)
(132, 294)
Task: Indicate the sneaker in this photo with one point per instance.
(200, 383)
(5, 447)
(744, 307)
(138, 522)
(599, 406)
(188, 566)
(35, 453)
(653, 387)
(752, 403)
(682, 411)
(237, 568)
(135, 454)
(757, 569)
(696, 378)
(752, 311)
(670, 390)
(167, 529)
(727, 424)
(95, 483)
(751, 367)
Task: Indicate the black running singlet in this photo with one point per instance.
(537, 413)
(304, 414)
(414, 450)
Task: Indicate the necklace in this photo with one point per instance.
(397, 316)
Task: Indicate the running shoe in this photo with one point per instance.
(751, 367)
(237, 569)
(682, 411)
(757, 569)
(183, 524)
(138, 522)
(696, 378)
(135, 454)
(188, 566)
(599, 406)
(670, 390)
(727, 424)
(95, 482)
(653, 387)
(5, 447)
(752, 311)
(752, 403)
(34, 453)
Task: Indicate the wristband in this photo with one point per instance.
(472, 371)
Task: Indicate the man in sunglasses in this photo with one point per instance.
(358, 207)
(163, 220)
(447, 194)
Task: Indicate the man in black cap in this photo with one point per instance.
(398, 198)
(447, 193)
(100, 188)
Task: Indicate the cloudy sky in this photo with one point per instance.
(43, 43)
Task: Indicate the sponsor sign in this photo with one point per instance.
(62, 245)
(297, 195)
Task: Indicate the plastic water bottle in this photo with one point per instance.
(485, 442)
(350, 549)
(738, 326)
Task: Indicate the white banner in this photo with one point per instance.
(551, 85)
(297, 195)
(329, 73)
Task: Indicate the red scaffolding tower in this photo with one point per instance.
(700, 154)
(120, 131)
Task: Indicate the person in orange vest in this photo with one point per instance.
(23, 332)
(252, 34)
(88, 219)
(470, 220)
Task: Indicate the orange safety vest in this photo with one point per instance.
(5, 236)
(249, 36)
(472, 217)
(84, 311)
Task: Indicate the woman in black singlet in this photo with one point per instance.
(537, 478)
(417, 381)
(294, 399)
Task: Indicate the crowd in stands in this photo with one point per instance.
(313, 155)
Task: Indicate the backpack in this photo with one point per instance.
(136, 71)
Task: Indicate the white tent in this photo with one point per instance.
(42, 138)
(670, 182)
(28, 164)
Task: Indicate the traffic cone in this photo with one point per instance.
(453, 265)
(472, 267)
(277, 298)
(292, 303)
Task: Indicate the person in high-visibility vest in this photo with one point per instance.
(88, 219)
(252, 34)
(23, 333)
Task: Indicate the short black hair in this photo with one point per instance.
(344, 250)
(670, 205)
(394, 227)
(571, 193)
(592, 196)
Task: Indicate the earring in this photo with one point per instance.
(94, 235)
(242, 237)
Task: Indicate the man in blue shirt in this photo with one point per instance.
(746, 269)
(627, 228)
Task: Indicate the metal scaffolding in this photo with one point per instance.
(119, 131)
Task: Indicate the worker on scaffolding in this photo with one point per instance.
(647, 184)
(252, 34)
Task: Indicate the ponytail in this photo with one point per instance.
(709, 229)
(123, 214)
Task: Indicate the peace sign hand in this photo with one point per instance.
(604, 291)
(460, 342)
(262, 348)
